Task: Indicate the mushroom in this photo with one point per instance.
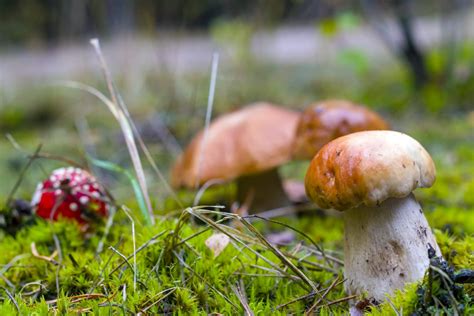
(370, 176)
(247, 145)
(324, 121)
(70, 193)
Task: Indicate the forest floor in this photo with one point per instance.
(126, 267)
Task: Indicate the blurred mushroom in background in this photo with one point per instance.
(322, 122)
(248, 146)
(326, 120)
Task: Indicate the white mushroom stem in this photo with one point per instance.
(262, 191)
(386, 246)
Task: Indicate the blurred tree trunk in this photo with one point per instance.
(405, 46)
(73, 19)
(410, 50)
(119, 16)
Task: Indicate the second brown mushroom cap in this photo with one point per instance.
(326, 120)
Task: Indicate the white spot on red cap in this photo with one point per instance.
(86, 187)
(73, 206)
(37, 195)
(59, 171)
(84, 199)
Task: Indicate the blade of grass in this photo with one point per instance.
(239, 291)
(210, 103)
(295, 230)
(322, 297)
(42, 155)
(161, 296)
(134, 248)
(149, 219)
(304, 297)
(127, 132)
(223, 229)
(279, 254)
(143, 246)
(10, 296)
(133, 181)
(180, 259)
(21, 176)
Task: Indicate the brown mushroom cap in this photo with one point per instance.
(327, 120)
(368, 168)
(253, 139)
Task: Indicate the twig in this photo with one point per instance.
(49, 259)
(79, 298)
(161, 297)
(10, 296)
(333, 284)
(43, 155)
(239, 291)
(306, 296)
(311, 263)
(22, 173)
(341, 300)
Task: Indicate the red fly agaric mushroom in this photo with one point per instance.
(324, 121)
(370, 176)
(247, 145)
(70, 193)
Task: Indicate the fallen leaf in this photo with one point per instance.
(217, 243)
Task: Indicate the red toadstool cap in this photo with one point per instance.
(70, 193)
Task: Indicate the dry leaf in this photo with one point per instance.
(217, 243)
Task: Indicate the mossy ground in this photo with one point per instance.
(175, 272)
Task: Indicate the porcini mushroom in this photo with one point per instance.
(326, 120)
(247, 145)
(70, 193)
(370, 176)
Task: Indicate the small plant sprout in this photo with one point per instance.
(370, 176)
(326, 120)
(247, 145)
(70, 193)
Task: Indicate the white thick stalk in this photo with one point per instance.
(386, 246)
